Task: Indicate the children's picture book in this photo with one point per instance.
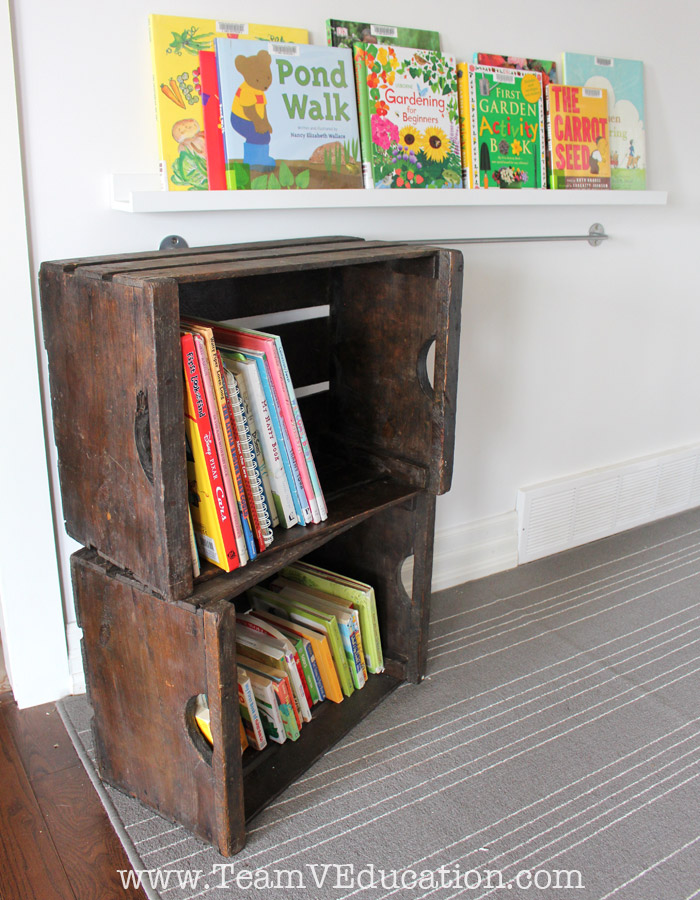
(252, 723)
(176, 42)
(623, 80)
(289, 116)
(577, 126)
(211, 119)
(409, 117)
(344, 33)
(506, 127)
(546, 67)
(212, 519)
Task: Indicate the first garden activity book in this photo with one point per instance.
(409, 117)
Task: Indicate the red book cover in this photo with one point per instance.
(211, 115)
(210, 510)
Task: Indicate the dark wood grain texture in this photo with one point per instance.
(381, 431)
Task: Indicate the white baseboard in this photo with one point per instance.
(567, 512)
(74, 635)
(475, 550)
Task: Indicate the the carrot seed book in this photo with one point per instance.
(506, 127)
(577, 125)
(289, 116)
(409, 117)
(623, 79)
(176, 42)
(344, 33)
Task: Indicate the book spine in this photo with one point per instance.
(363, 115)
(202, 441)
(303, 437)
(231, 495)
(251, 716)
(296, 679)
(213, 132)
(309, 680)
(242, 376)
(254, 486)
(286, 707)
(269, 713)
(301, 504)
(313, 662)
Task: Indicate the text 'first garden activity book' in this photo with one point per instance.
(289, 116)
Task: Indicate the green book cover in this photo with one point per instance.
(301, 612)
(345, 33)
(358, 593)
(506, 111)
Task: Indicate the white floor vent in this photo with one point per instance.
(557, 515)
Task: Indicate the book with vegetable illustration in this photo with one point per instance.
(176, 42)
(289, 116)
(409, 117)
(506, 128)
(345, 33)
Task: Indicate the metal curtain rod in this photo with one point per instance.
(596, 235)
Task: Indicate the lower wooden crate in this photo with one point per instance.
(147, 659)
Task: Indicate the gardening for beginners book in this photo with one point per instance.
(289, 116)
(409, 117)
(504, 128)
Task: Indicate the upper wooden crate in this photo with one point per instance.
(361, 320)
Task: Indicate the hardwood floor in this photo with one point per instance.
(56, 841)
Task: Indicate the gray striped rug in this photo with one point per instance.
(552, 751)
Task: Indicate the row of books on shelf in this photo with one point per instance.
(383, 107)
(249, 464)
(310, 635)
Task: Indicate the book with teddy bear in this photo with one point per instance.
(289, 116)
(180, 100)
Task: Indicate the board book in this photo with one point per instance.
(409, 117)
(250, 716)
(289, 116)
(577, 126)
(505, 127)
(358, 593)
(279, 681)
(176, 42)
(623, 80)
(345, 33)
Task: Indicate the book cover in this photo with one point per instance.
(346, 615)
(267, 432)
(409, 117)
(250, 716)
(270, 344)
(577, 125)
(301, 509)
(623, 81)
(328, 683)
(289, 116)
(506, 128)
(225, 437)
(254, 662)
(281, 604)
(211, 517)
(360, 594)
(546, 67)
(266, 699)
(304, 649)
(298, 680)
(345, 33)
(176, 42)
(245, 372)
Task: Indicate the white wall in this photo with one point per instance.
(572, 357)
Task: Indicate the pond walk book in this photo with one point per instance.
(289, 116)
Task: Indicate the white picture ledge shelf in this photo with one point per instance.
(140, 194)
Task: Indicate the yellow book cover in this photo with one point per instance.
(464, 124)
(175, 45)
